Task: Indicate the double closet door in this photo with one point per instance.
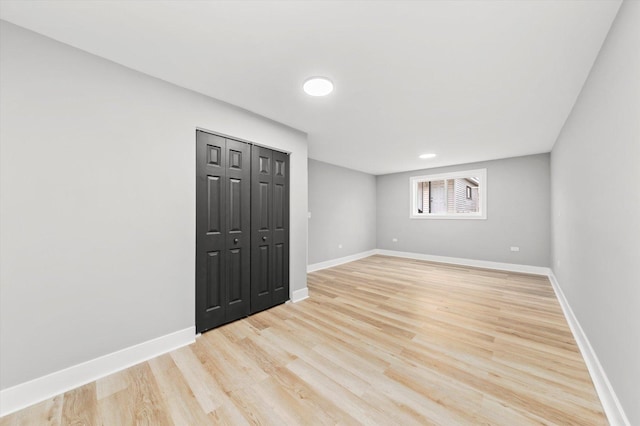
(242, 229)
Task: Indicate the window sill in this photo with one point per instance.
(454, 217)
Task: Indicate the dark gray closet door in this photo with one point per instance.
(280, 227)
(222, 230)
(269, 228)
(238, 237)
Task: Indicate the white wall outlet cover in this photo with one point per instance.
(515, 248)
(339, 245)
(309, 215)
(395, 240)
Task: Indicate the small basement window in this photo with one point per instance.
(457, 195)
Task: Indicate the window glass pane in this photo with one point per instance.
(450, 198)
(437, 199)
(425, 197)
(463, 195)
(421, 197)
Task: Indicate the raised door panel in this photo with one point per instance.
(263, 270)
(214, 281)
(235, 205)
(279, 276)
(234, 277)
(278, 206)
(263, 201)
(214, 204)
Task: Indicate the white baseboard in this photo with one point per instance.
(610, 403)
(511, 267)
(37, 390)
(299, 295)
(339, 261)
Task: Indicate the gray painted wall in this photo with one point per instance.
(342, 203)
(517, 215)
(595, 178)
(97, 207)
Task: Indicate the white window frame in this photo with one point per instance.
(481, 174)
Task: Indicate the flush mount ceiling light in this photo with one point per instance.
(318, 86)
(425, 156)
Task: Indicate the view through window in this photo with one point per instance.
(451, 195)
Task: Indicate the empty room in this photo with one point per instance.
(320, 212)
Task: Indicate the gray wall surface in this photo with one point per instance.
(97, 207)
(342, 203)
(595, 177)
(517, 215)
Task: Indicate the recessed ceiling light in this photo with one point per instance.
(318, 86)
(425, 156)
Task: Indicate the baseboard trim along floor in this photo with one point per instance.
(40, 389)
(37, 390)
(511, 267)
(300, 295)
(610, 403)
(339, 261)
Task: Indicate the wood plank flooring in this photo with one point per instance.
(382, 340)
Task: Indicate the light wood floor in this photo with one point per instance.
(382, 340)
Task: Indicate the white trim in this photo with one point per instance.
(28, 393)
(511, 267)
(300, 295)
(610, 403)
(483, 190)
(340, 261)
(25, 394)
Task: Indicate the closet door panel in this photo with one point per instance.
(262, 229)
(263, 271)
(214, 281)
(234, 276)
(280, 227)
(238, 229)
(270, 229)
(211, 292)
(279, 263)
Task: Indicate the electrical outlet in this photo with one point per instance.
(339, 245)
(395, 240)
(309, 215)
(515, 248)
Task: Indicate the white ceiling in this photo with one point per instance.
(467, 80)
